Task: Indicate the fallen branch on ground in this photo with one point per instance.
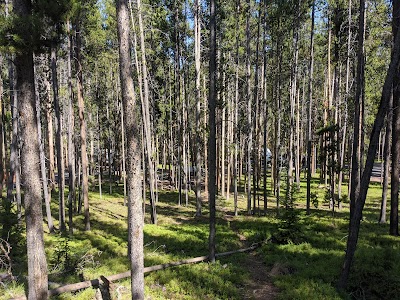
(96, 282)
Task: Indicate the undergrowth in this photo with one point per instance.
(303, 254)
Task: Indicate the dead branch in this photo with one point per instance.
(107, 280)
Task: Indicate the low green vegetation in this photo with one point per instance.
(302, 254)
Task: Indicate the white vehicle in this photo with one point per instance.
(268, 156)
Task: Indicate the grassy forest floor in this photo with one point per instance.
(300, 259)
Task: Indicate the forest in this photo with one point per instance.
(189, 149)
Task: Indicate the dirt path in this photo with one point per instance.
(260, 285)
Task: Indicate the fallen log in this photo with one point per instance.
(106, 280)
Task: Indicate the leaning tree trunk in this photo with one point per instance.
(37, 266)
(394, 191)
(133, 158)
(354, 226)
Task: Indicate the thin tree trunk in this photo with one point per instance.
(47, 198)
(135, 211)
(50, 138)
(81, 108)
(197, 40)
(358, 114)
(265, 110)
(255, 121)
(293, 92)
(71, 144)
(59, 146)
(212, 135)
(15, 170)
(386, 165)
(146, 119)
(309, 108)
(123, 154)
(249, 110)
(236, 129)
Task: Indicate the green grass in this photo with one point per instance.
(304, 268)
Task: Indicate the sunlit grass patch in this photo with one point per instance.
(200, 281)
(11, 289)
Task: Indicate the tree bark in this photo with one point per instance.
(133, 158)
(37, 266)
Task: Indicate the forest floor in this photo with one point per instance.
(303, 265)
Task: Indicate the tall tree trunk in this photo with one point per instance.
(59, 146)
(354, 226)
(37, 266)
(265, 109)
(277, 152)
(47, 198)
(358, 114)
(249, 109)
(197, 41)
(50, 136)
(236, 121)
(82, 120)
(146, 119)
(71, 143)
(394, 191)
(255, 119)
(309, 109)
(212, 135)
(133, 180)
(15, 170)
(293, 92)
